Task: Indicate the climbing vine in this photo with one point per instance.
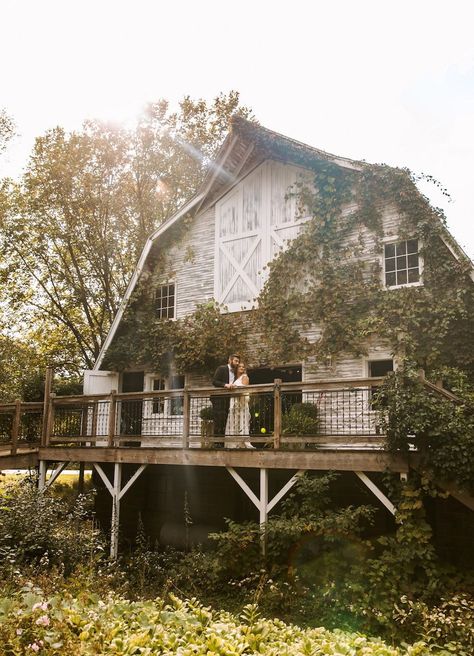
(329, 277)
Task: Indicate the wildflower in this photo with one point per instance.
(19, 632)
(43, 620)
(34, 646)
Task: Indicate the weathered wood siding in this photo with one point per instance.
(192, 267)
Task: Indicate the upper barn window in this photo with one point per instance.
(165, 301)
(254, 221)
(402, 263)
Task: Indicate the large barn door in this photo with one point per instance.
(285, 222)
(239, 243)
(254, 222)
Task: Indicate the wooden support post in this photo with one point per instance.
(262, 504)
(48, 383)
(16, 426)
(112, 415)
(186, 417)
(80, 482)
(42, 468)
(49, 419)
(115, 523)
(116, 493)
(263, 510)
(277, 413)
(94, 420)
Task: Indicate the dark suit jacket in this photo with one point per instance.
(221, 376)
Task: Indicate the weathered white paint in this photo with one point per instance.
(254, 222)
(377, 491)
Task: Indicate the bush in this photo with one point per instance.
(301, 419)
(450, 623)
(36, 528)
(62, 624)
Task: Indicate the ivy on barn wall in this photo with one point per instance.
(330, 276)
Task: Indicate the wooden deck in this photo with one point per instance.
(173, 427)
(178, 428)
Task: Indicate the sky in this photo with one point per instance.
(377, 80)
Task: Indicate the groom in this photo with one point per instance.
(224, 377)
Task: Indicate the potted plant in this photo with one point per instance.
(301, 419)
(207, 426)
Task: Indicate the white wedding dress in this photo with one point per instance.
(238, 419)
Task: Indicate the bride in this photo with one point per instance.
(238, 420)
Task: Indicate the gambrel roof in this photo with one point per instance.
(247, 145)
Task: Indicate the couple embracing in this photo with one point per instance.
(231, 415)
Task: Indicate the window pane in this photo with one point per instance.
(402, 277)
(390, 279)
(390, 250)
(158, 404)
(413, 275)
(401, 248)
(412, 246)
(412, 261)
(390, 264)
(401, 262)
(176, 382)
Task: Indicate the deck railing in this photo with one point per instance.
(279, 415)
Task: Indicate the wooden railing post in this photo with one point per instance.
(277, 413)
(16, 426)
(112, 415)
(186, 417)
(48, 382)
(49, 419)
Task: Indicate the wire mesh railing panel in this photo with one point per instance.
(6, 426)
(31, 426)
(68, 421)
(329, 412)
(231, 419)
(155, 421)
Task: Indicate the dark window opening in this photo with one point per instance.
(380, 368)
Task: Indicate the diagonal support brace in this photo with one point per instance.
(377, 491)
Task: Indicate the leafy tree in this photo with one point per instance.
(7, 128)
(72, 228)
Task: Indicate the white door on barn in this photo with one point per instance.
(99, 382)
(254, 221)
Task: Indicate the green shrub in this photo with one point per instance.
(301, 419)
(31, 623)
(38, 528)
(450, 623)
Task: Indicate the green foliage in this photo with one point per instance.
(47, 531)
(330, 276)
(306, 511)
(301, 419)
(448, 624)
(194, 342)
(441, 430)
(31, 622)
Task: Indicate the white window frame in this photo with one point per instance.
(167, 284)
(394, 239)
(377, 358)
(148, 387)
